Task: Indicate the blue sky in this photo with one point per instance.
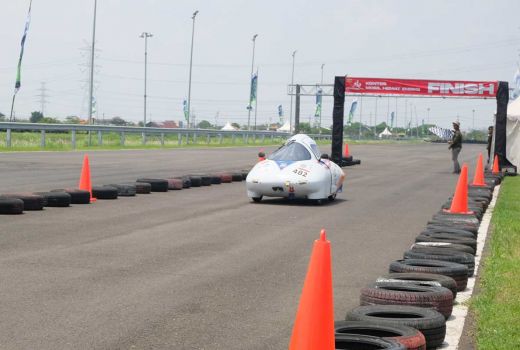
(466, 40)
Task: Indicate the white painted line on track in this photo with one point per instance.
(455, 323)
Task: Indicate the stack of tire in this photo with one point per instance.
(412, 302)
(17, 203)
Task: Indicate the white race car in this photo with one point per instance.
(296, 170)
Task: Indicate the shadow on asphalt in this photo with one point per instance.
(298, 202)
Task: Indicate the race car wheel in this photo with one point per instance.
(332, 197)
(319, 201)
(257, 199)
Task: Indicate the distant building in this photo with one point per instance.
(170, 124)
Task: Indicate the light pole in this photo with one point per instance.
(145, 35)
(322, 65)
(473, 119)
(319, 123)
(250, 106)
(292, 86)
(92, 50)
(191, 65)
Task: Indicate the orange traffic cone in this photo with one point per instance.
(346, 153)
(478, 179)
(84, 180)
(496, 168)
(459, 203)
(314, 325)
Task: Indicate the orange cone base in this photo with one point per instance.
(93, 199)
(470, 212)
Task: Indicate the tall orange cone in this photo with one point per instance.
(459, 203)
(84, 180)
(478, 179)
(346, 153)
(496, 168)
(314, 325)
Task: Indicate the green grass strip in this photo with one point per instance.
(497, 307)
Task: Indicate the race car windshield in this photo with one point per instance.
(291, 152)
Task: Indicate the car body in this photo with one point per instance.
(295, 170)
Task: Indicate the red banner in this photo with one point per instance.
(453, 88)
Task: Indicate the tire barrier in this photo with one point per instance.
(443, 245)
(427, 279)
(143, 188)
(470, 228)
(104, 192)
(456, 271)
(205, 180)
(216, 180)
(55, 199)
(448, 238)
(237, 177)
(186, 182)
(196, 181)
(77, 196)
(158, 185)
(443, 255)
(410, 337)
(30, 201)
(430, 323)
(355, 341)
(432, 297)
(125, 190)
(446, 229)
(226, 178)
(11, 206)
(175, 184)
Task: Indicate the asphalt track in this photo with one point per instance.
(200, 268)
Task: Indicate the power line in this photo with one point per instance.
(43, 97)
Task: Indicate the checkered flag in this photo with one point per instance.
(445, 134)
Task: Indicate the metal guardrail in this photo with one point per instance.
(183, 135)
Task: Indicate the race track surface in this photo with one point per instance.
(200, 268)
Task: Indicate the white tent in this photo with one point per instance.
(385, 133)
(229, 127)
(284, 128)
(513, 132)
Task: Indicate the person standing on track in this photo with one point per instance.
(489, 142)
(456, 146)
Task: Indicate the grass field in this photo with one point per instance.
(497, 307)
(31, 141)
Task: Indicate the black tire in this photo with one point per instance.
(332, 197)
(143, 188)
(56, 199)
(432, 297)
(125, 190)
(456, 271)
(205, 180)
(427, 279)
(77, 196)
(465, 227)
(477, 210)
(158, 185)
(451, 233)
(236, 177)
(216, 180)
(443, 255)
(448, 238)
(11, 206)
(257, 199)
(175, 184)
(442, 245)
(104, 192)
(186, 182)
(363, 342)
(410, 337)
(347, 159)
(226, 177)
(30, 201)
(196, 181)
(446, 229)
(429, 322)
(465, 219)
